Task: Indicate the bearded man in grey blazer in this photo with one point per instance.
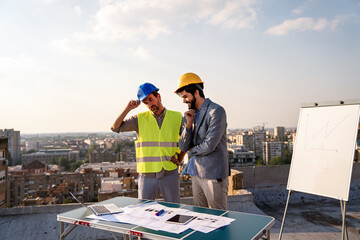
(204, 138)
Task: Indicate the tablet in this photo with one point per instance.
(180, 219)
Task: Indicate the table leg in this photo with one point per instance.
(62, 231)
(267, 235)
(113, 235)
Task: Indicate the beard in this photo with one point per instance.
(192, 104)
(154, 109)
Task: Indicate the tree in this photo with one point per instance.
(287, 154)
(72, 161)
(28, 152)
(276, 161)
(283, 138)
(64, 162)
(53, 161)
(65, 201)
(259, 161)
(117, 148)
(75, 165)
(91, 148)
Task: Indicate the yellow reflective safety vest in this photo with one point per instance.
(155, 147)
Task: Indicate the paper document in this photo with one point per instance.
(145, 215)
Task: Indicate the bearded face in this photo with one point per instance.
(188, 98)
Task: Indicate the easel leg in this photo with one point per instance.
(344, 232)
(283, 221)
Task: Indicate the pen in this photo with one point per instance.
(160, 212)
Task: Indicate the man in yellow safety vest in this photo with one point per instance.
(157, 151)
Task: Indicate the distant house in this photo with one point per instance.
(35, 167)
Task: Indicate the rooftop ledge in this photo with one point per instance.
(310, 220)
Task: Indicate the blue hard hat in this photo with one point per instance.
(144, 90)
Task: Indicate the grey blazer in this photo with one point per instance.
(207, 142)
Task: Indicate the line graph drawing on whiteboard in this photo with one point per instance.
(318, 152)
(316, 136)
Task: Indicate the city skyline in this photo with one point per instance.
(72, 66)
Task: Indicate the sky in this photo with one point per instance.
(72, 65)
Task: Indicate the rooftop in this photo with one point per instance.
(308, 216)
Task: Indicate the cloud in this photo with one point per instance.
(78, 10)
(305, 24)
(140, 52)
(23, 74)
(136, 19)
(50, 1)
(68, 46)
(235, 15)
(11, 66)
(298, 10)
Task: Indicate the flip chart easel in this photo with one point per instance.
(324, 150)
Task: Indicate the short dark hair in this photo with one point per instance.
(155, 93)
(192, 88)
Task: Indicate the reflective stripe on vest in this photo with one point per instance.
(155, 147)
(153, 159)
(156, 144)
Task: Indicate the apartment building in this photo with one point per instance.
(246, 139)
(115, 186)
(127, 155)
(4, 193)
(78, 145)
(32, 145)
(279, 132)
(110, 167)
(102, 155)
(48, 155)
(14, 149)
(259, 139)
(33, 180)
(271, 150)
(3, 183)
(240, 156)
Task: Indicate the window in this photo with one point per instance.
(2, 176)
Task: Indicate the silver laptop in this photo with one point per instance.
(101, 209)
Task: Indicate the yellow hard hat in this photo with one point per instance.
(187, 79)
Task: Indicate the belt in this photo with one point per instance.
(153, 175)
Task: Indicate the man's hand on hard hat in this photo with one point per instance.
(132, 105)
(189, 115)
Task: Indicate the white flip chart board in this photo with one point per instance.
(324, 150)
